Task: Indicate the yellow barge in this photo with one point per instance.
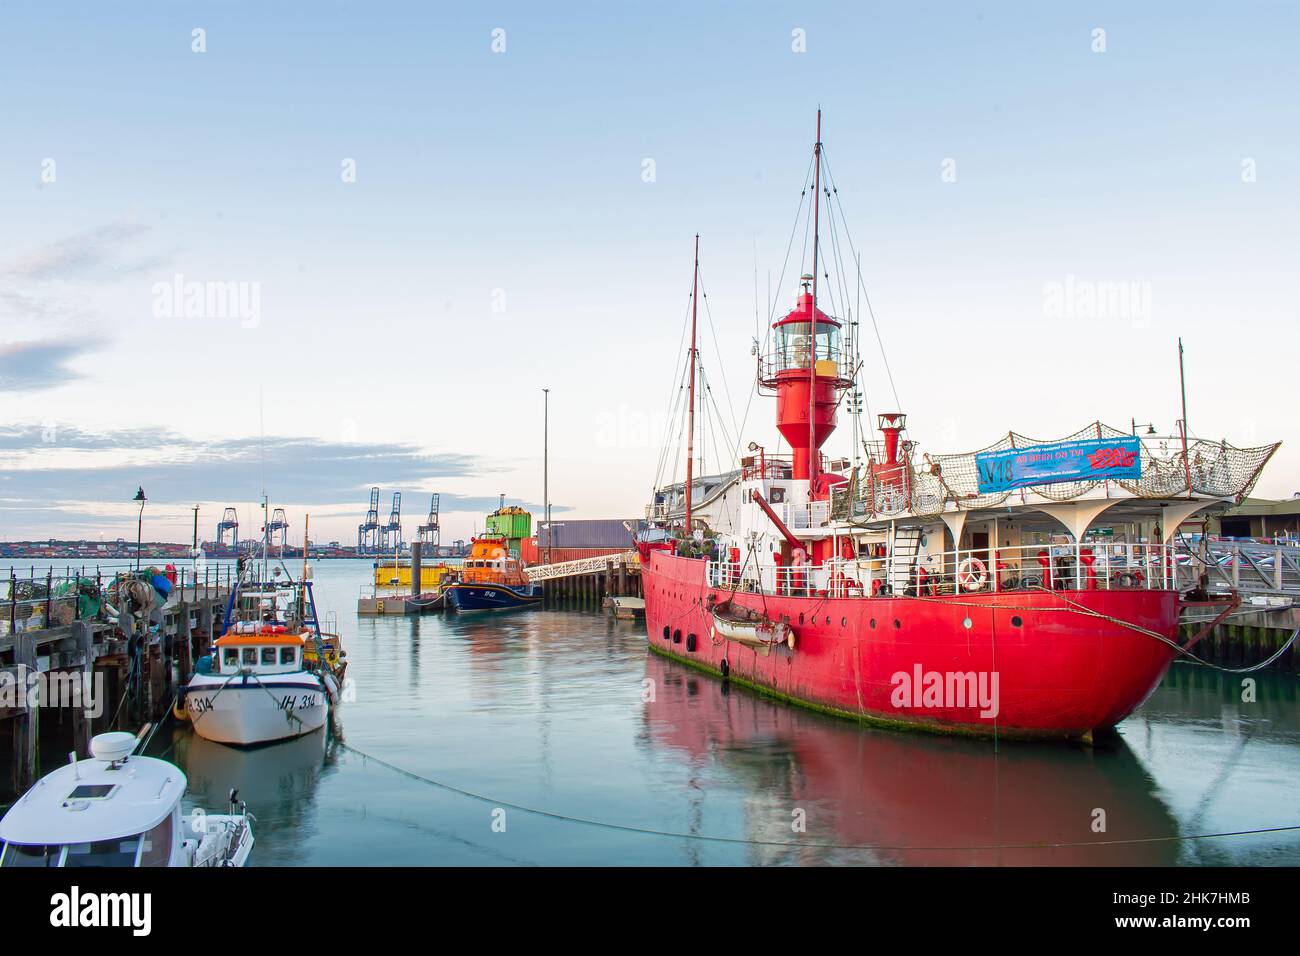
(397, 574)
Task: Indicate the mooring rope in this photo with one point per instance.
(708, 838)
(1089, 612)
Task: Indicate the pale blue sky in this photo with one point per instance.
(522, 172)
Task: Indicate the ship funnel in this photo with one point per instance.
(891, 424)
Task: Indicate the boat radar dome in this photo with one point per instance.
(112, 747)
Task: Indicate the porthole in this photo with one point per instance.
(666, 634)
(1016, 622)
(873, 623)
(801, 617)
(828, 619)
(844, 622)
(897, 624)
(677, 636)
(967, 623)
(690, 642)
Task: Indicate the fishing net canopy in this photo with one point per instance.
(943, 482)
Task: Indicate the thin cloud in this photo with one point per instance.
(34, 366)
(91, 253)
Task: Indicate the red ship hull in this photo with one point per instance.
(1054, 672)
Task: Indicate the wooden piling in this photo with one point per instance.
(81, 720)
(26, 720)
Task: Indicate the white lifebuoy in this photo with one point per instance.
(971, 574)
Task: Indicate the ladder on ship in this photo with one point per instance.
(904, 549)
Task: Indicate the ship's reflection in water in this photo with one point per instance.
(915, 799)
(277, 781)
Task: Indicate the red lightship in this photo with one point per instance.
(1031, 589)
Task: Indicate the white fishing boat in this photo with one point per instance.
(117, 809)
(272, 674)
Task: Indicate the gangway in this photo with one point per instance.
(1250, 567)
(564, 569)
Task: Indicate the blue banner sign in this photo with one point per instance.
(1089, 459)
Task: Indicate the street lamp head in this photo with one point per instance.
(139, 495)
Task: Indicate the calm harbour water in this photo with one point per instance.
(545, 709)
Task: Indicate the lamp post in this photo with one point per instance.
(546, 451)
(139, 525)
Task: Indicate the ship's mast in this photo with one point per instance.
(1182, 388)
(690, 425)
(812, 339)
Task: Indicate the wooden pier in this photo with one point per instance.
(130, 681)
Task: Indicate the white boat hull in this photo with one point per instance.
(257, 709)
(216, 840)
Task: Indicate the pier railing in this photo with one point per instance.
(34, 598)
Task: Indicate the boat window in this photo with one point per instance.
(157, 848)
(288, 655)
(250, 655)
(268, 655)
(29, 854)
(116, 852)
(92, 791)
(232, 656)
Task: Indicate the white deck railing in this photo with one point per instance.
(546, 572)
(968, 571)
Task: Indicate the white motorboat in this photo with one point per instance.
(117, 809)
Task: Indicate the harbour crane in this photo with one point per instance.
(390, 535)
(229, 522)
(429, 534)
(368, 531)
(277, 531)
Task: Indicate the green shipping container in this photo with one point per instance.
(511, 524)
